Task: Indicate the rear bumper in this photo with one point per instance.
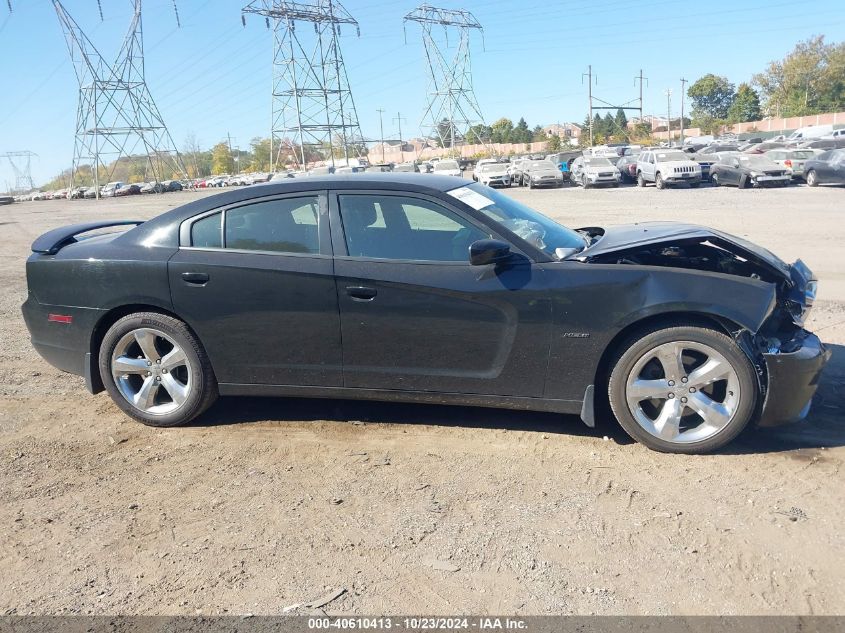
(63, 345)
(793, 380)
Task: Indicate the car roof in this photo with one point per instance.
(155, 232)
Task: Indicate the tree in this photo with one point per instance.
(261, 158)
(521, 133)
(621, 121)
(746, 105)
(444, 133)
(809, 80)
(538, 134)
(553, 144)
(712, 96)
(221, 159)
(479, 134)
(502, 130)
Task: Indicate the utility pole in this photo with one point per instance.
(229, 140)
(381, 131)
(589, 76)
(683, 90)
(669, 115)
(399, 118)
(640, 78)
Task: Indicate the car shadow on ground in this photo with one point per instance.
(824, 427)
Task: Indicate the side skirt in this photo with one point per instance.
(395, 395)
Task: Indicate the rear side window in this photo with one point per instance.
(288, 225)
(208, 233)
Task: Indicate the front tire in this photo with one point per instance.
(640, 180)
(155, 369)
(715, 180)
(658, 181)
(682, 389)
(812, 178)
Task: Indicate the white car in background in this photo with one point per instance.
(447, 168)
(480, 164)
(791, 159)
(110, 190)
(667, 167)
(493, 174)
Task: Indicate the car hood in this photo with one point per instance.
(601, 169)
(678, 163)
(627, 236)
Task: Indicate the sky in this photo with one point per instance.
(212, 76)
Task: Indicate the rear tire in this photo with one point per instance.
(156, 370)
(715, 180)
(689, 369)
(812, 178)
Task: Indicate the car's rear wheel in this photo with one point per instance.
(155, 369)
(682, 389)
(715, 180)
(812, 179)
(584, 182)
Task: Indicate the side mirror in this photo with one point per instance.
(488, 252)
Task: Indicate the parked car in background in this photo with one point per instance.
(110, 188)
(667, 167)
(173, 185)
(827, 167)
(716, 148)
(493, 174)
(791, 159)
(745, 171)
(627, 167)
(481, 162)
(152, 187)
(515, 171)
(406, 168)
(835, 134)
(541, 173)
(128, 190)
(589, 171)
(77, 193)
(762, 148)
(810, 132)
(447, 167)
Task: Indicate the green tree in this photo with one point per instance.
(221, 159)
(712, 96)
(809, 80)
(553, 144)
(521, 133)
(538, 134)
(260, 159)
(502, 130)
(479, 134)
(746, 105)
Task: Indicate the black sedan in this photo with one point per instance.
(427, 289)
(827, 167)
(744, 171)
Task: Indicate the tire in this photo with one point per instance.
(715, 180)
(658, 181)
(730, 402)
(811, 178)
(743, 183)
(176, 391)
(530, 184)
(640, 180)
(584, 182)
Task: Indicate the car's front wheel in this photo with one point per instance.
(155, 369)
(640, 180)
(658, 181)
(682, 389)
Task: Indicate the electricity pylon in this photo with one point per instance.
(116, 117)
(312, 107)
(452, 109)
(21, 166)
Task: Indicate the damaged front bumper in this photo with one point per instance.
(793, 380)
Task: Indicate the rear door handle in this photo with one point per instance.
(361, 293)
(195, 279)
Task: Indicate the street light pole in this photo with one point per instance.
(683, 85)
(381, 132)
(669, 115)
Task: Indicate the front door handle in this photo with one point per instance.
(361, 293)
(195, 279)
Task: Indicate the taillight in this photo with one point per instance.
(787, 162)
(60, 318)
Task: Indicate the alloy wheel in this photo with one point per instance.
(151, 371)
(683, 392)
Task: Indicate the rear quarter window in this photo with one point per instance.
(207, 233)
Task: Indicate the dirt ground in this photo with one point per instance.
(265, 506)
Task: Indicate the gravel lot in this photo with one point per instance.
(266, 504)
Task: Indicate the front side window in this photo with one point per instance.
(399, 227)
(288, 225)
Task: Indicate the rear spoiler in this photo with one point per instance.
(53, 241)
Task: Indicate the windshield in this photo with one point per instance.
(532, 226)
(597, 161)
(494, 168)
(756, 162)
(443, 165)
(665, 157)
(540, 164)
(802, 154)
